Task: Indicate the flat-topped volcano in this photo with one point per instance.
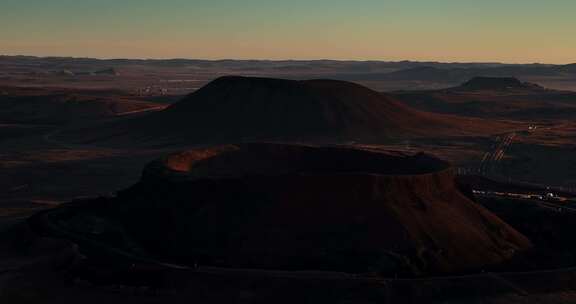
(297, 207)
(237, 109)
(498, 83)
(493, 98)
(243, 107)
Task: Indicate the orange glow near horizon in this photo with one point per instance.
(517, 31)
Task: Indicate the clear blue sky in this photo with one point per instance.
(445, 30)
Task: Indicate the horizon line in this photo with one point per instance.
(280, 60)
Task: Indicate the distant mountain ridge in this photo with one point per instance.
(358, 66)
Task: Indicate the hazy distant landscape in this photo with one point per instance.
(181, 76)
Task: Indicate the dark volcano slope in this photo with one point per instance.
(63, 106)
(498, 83)
(236, 109)
(269, 108)
(495, 98)
(298, 207)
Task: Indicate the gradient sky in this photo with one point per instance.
(442, 30)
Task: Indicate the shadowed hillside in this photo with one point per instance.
(298, 207)
(58, 106)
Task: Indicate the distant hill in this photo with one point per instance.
(428, 73)
(498, 84)
(109, 71)
(495, 97)
(569, 68)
